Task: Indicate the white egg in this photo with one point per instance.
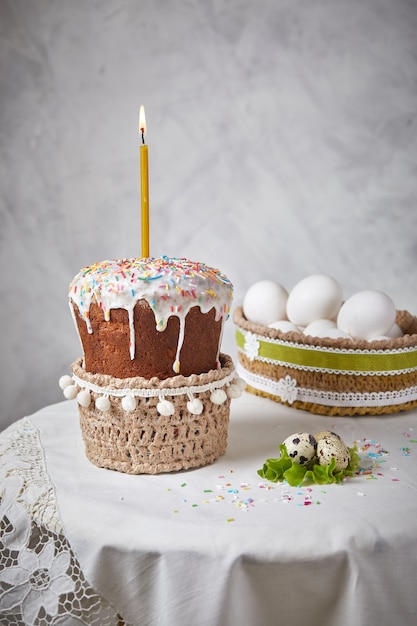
(315, 297)
(333, 333)
(265, 302)
(395, 331)
(301, 447)
(367, 314)
(319, 326)
(285, 326)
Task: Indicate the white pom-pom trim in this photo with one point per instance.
(218, 396)
(74, 387)
(103, 403)
(234, 391)
(129, 403)
(84, 398)
(240, 382)
(65, 381)
(165, 407)
(70, 391)
(195, 406)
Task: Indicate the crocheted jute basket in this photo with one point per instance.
(141, 426)
(330, 376)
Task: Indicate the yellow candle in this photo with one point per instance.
(144, 184)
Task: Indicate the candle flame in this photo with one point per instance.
(142, 121)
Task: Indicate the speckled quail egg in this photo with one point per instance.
(301, 447)
(325, 433)
(332, 446)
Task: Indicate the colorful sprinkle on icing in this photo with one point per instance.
(171, 286)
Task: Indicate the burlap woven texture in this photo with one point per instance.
(143, 441)
(334, 382)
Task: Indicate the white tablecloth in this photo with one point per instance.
(216, 545)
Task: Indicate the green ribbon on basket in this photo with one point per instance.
(329, 358)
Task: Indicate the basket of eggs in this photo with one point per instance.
(311, 349)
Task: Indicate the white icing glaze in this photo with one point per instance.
(171, 287)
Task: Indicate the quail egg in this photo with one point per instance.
(325, 433)
(332, 446)
(301, 447)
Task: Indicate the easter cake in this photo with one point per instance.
(150, 317)
(312, 349)
(153, 388)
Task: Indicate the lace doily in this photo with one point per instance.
(41, 581)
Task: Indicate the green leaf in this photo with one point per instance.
(323, 474)
(355, 461)
(285, 468)
(295, 474)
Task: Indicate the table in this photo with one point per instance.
(211, 546)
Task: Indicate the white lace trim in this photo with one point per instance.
(287, 389)
(41, 580)
(306, 346)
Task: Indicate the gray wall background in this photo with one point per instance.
(282, 141)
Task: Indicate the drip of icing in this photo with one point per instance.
(131, 333)
(171, 286)
(218, 364)
(176, 366)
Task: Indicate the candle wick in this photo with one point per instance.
(143, 137)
